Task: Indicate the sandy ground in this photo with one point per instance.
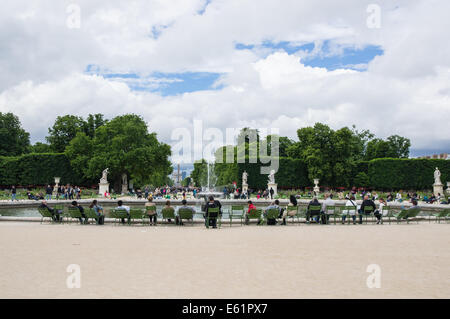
(296, 261)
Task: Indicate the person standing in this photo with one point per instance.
(13, 193)
(48, 192)
(379, 212)
(272, 192)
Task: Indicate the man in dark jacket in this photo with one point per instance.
(213, 216)
(366, 203)
(81, 209)
(56, 214)
(309, 213)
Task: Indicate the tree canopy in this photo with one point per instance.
(13, 138)
(123, 145)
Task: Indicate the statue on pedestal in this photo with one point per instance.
(438, 188)
(244, 178)
(104, 178)
(437, 177)
(272, 177)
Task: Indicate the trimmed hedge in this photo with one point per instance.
(408, 174)
(292, 173)
(38, 169)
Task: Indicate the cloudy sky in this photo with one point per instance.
(232, 63)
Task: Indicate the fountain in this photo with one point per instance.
(209, 189)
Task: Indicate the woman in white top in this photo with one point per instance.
(352, 212)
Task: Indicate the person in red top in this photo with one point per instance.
(250, 207)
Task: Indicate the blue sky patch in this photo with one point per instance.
(328, 56)
(167, 84)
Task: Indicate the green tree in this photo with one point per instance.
(200, 172)
(40, 148)
(13, 138)
(63, 131)
(124, 145)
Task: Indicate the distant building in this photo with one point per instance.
(436, 156)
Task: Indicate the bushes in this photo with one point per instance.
(38, 169)
(417, 174)
(292, 173)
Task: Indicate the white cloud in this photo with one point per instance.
(402, 92)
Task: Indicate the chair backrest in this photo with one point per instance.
(273, 213)
(237, 208)
(74, 212)
(368, 209)
(136, 213)
(291, 208)
(119, 213)
(330, 209)
(213, 211)
(254, 213)
(90, 213)
(150, 208)
(315, 208)
(44, 212)
(413, 212)
(168, 212)
(185, 213)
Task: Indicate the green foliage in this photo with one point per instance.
(13, 138)
(124, 146)
(39, 148)
(67, 127)
(38, 169)
(414, 174)
(361, 180)
(394, 147)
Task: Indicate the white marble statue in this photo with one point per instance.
(272, 177)
(124, 179)
(244, 177)
(104, 178)
(437, 177)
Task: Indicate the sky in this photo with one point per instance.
(380, 65)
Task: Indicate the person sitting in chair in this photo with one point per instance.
(120, 205)
(274, 205)
(81, 209)
(211, 218)
(56, 214)
(366, 202)
(98, 211)
(184, 206)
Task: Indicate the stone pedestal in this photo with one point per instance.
(55, 189)
(448, 187)
(438, 189)
(124, 189)
(274, 187)
(102, 188)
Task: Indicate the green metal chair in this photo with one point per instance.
(254, 214)
(314, 210)
(74, 213)
(136, 214)
(187, 214)
(443, 214)
(294, 209)
(91, 214)
(331, 210)
(45, 214)
(348, 214)
(236, 212)
(271, 214)
(148, 209)
(412, 213)
(168, 213)
(399, 215)
(368, 211)
(213, 213)
(118, 215)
